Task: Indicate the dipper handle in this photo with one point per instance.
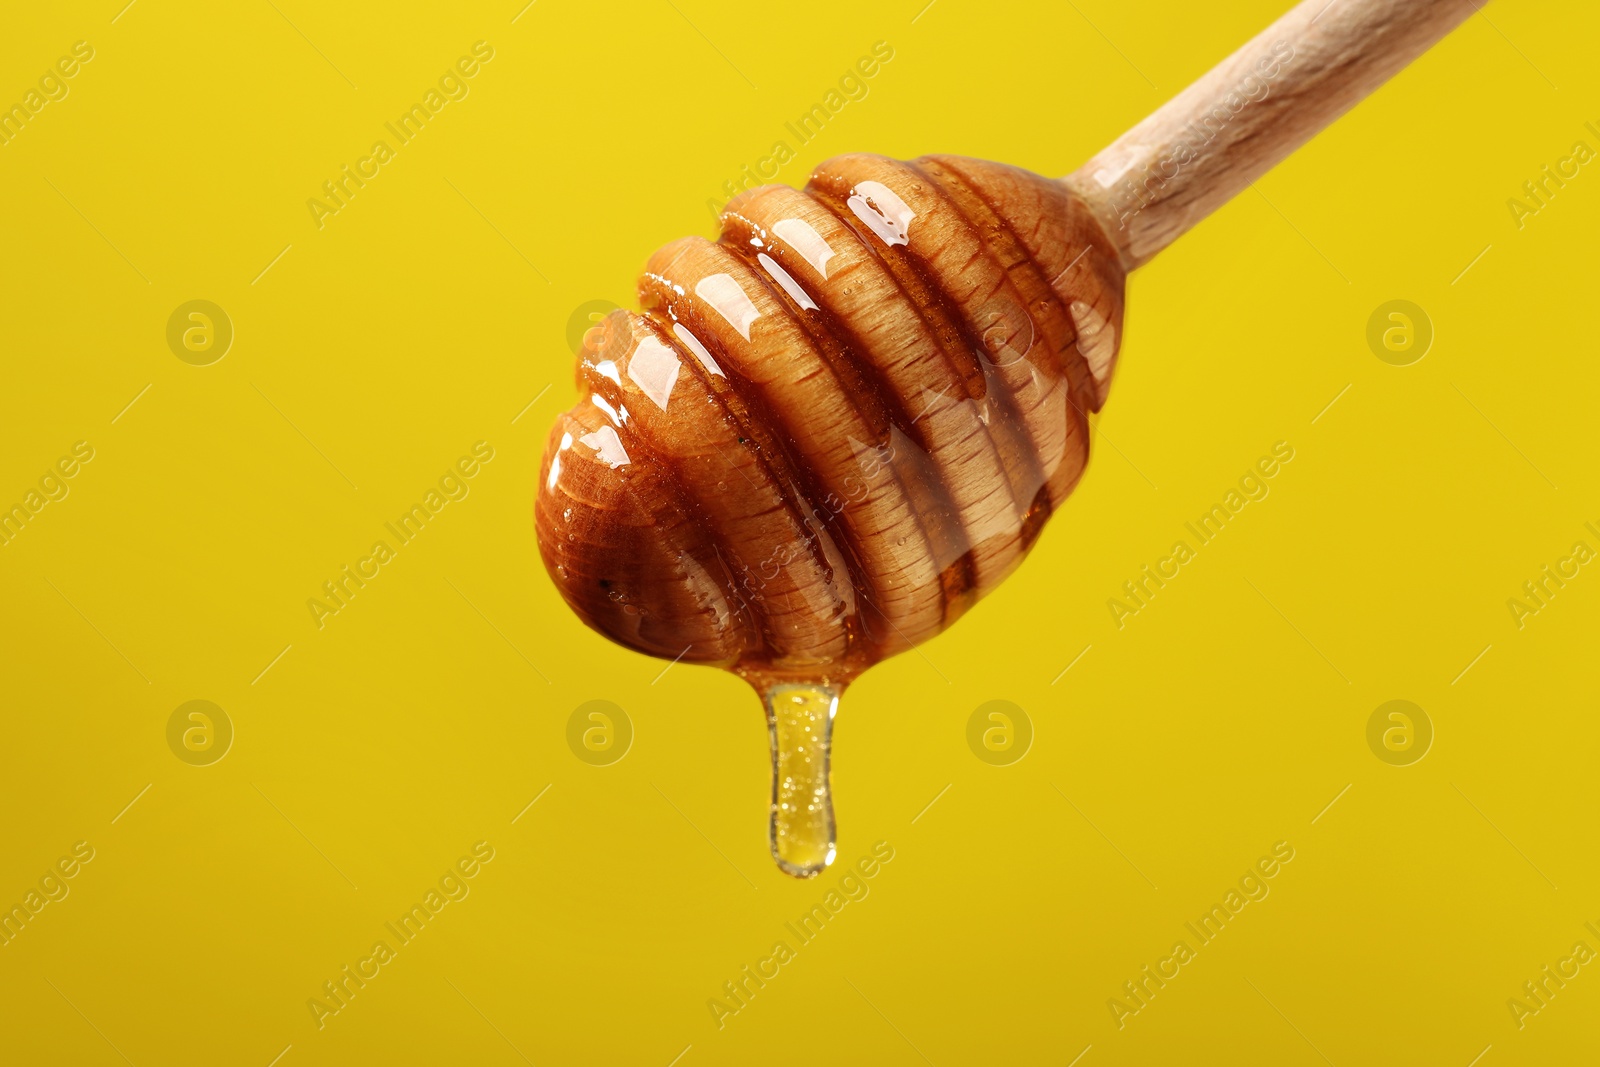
(1208, 143)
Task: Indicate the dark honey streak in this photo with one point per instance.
(822, 446)
(864, 631)
(864, 384)
(663, 504)
(1014, 453)
(1054, 320)
(1019, 267)
(742, 400)
(770, 457)
(927, 302)
(931, 501)
(746, 405)
(1005, 431)
(868, 393)
(758, 622)
(993, 317)
(835, 493)
(899, 382)
(919, 290)
(623, 579)
(959, 578)
(831, 336)
(754, 588)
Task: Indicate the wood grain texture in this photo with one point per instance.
(835, 428)
(1251, 111)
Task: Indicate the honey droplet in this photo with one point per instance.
(800, 722)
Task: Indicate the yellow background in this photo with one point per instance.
(427, 315)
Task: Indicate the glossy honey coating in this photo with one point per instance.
(834, 429)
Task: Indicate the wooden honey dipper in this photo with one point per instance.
(834, 429)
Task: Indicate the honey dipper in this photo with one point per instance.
(835, 428)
